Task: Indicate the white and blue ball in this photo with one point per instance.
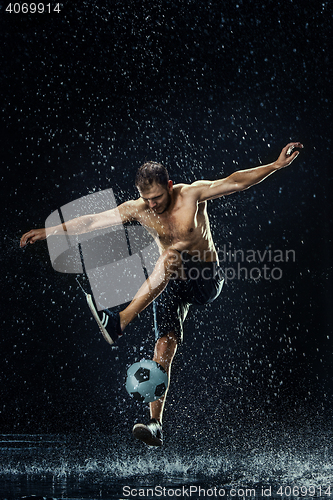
(146, 381)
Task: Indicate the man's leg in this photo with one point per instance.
(112, 325)
(165, 350)
(151, 434)
(168, 265)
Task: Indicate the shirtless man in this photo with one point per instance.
(178, 214)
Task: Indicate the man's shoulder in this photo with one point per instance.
(131, 209)
(187, 190)
(133, 203)
(181, 188)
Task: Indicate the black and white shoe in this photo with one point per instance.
(150, 434)
(106, 319)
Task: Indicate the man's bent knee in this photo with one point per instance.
(165, 349)
(166, 343)
(172, 262)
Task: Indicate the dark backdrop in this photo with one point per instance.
(207, 88)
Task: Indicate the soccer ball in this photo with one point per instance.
(146, 381)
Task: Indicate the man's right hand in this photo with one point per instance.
(32, 236)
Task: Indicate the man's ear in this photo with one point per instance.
(170, 185)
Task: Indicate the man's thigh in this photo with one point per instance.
(170, 310)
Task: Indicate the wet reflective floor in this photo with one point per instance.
(53, 466)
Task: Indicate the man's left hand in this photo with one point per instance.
(288, 154)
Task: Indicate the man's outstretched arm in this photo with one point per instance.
(125, 212)
(243, 179)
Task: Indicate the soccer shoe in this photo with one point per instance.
(105, 319)
(150, 434)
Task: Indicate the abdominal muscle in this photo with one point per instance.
(205, 254)
(190, 233)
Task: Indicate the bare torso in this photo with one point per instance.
(184, 226)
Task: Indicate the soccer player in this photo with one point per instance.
(187, 271)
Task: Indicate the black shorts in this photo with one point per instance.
(203, 284)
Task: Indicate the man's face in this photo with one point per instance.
(157, 197)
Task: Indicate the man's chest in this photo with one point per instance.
(180, 225)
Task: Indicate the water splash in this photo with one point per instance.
(106, 460)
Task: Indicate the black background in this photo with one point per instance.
(206, 88)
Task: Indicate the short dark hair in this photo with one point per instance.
(151, 172)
